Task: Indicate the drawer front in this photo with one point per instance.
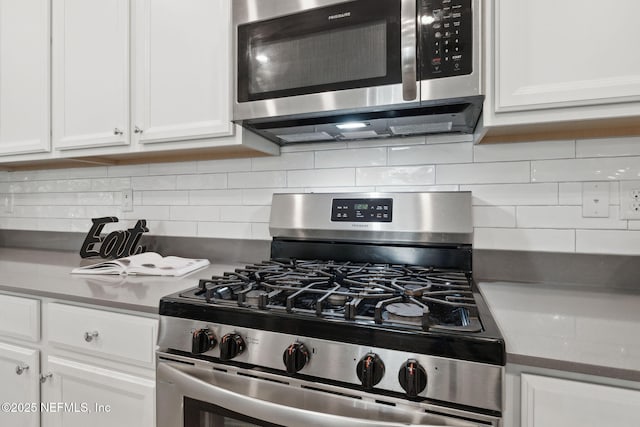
(122, 337)
(20, 318)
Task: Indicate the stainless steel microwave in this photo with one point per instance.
(325, 70)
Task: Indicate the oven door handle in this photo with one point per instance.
(196, 388)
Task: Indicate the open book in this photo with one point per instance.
(145, 264)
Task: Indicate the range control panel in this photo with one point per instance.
(446, 38)
(362, 210)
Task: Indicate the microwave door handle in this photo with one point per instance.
(408, 49)
(201, 390)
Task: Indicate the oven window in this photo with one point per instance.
(343, 46)
(202, 414)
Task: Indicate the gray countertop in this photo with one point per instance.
(584, 330)
(48, 274)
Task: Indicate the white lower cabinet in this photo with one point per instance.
(95, 396)
(87, 366)
(19, 386)
(556, 402)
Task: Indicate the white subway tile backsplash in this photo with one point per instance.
(602, 169)
(623, 242)
(414, 188)
(160, 213)
(245, 213)
(483, 173)
(95, 198)
(494, 216)
(202, 181)
(608, 147)
(431, 154)
(322, 178)
(353, 157)
(398, 175)
(165, 198)
(286, 161)
(110, 184)
(173, 228)
(194, 213)
(542, 240)
(524, 151)
(566, 217)
(260, 231)
(570, 193)
(513, 194)
(229, 165)
(215, 197)
(128, 170)
(273, 179)
(180, 168)
(339, 190)
(168, 182)
(263, 196)
(526, 196)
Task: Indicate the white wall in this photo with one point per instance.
(527, 196)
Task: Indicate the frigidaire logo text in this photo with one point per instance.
(339, 15)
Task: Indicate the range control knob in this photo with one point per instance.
(295, 357)
(412, 377)
(231, 345)
(202, 341)
(370, 370)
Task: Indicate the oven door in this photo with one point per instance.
(193, 393)
(334, 56)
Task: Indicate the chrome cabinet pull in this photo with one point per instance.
(117, 131)
(137, 130)
(21, 368)
(44, 377)
(90, 336)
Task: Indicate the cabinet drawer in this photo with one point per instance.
(105, 334)
(20, 318)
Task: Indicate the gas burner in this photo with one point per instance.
(413, 296)
(405, 311)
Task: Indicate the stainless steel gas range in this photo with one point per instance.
(365, 315)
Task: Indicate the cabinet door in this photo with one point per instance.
(90, 73)
(19, 386)
(25, 36)
(182, 79)
(553, 402)
(96, 397)
(565, 53)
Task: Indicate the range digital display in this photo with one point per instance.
(362, 210)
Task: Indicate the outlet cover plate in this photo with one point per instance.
(127, 200)
(595, 199)
(630, 200)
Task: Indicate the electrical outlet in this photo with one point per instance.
(595, 199)
(8, 203)
(127, 200)
(629, 199)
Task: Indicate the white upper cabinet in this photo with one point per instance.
(562, 61)
(182, 70)
(24, 76)
(90, 73)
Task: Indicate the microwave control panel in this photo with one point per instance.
(446, 38)
(362, 210)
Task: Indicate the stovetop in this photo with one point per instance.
(398, 296)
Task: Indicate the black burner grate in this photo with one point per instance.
(400, 295)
